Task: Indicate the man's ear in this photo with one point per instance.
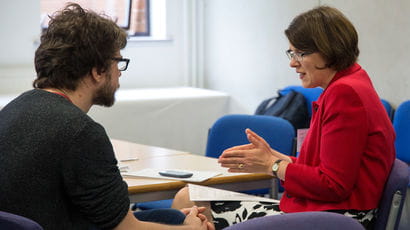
(96, 75)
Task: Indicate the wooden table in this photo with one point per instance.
(125, 150)
(146, 189)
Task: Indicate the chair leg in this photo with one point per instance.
(405, 215)
(274, 189)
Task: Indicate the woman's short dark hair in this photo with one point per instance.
(75, 41)
(327, 31)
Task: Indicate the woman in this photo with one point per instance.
(349, 149)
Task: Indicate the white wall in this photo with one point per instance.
(160, 63)
(153, 63)
(243, 47)
(384, 29)
(245, 44)
(19, 28)
(237, 45)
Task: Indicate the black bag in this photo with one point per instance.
(291, 107)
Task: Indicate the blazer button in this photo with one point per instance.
(288, 196)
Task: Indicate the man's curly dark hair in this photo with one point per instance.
(76, 41)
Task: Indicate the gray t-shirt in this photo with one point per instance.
(57, 166)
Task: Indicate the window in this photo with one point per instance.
(132, 15)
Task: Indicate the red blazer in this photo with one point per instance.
(348, 152)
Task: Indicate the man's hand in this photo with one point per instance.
(195, 219)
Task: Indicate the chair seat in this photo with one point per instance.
(300, 221)
(16, 222)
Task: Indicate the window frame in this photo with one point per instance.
(147, 17)
(146, 32)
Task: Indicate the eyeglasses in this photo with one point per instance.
(122, 63)
(298, 56)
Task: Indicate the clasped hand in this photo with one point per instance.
(195, 218)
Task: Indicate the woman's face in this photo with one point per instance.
(307, 69)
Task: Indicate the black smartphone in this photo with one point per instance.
(177, 174)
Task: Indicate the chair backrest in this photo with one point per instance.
(391, 203)
(301, 221)
(389, 108)
(229, 131)
(16, 222)
(401, 123)
(311, 94)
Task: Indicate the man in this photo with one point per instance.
(57, 165)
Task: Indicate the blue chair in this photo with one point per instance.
(300, 221)
(311, 94)
(389, 108)
(16, 222)
(229, 131)
(401, 123)
(394, 194)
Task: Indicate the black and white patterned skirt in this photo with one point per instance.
(227, 213)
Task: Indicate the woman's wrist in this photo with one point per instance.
(288, 159)
(283, 165)
(279, 155)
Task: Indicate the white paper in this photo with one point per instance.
(123, 168)
(198, 176)
(129, 159)
(301, 134)
(204, 193)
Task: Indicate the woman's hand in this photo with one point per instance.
(256, 157)
(255, 138)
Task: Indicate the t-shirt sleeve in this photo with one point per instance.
(92, 179)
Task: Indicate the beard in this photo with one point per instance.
(105, 96)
